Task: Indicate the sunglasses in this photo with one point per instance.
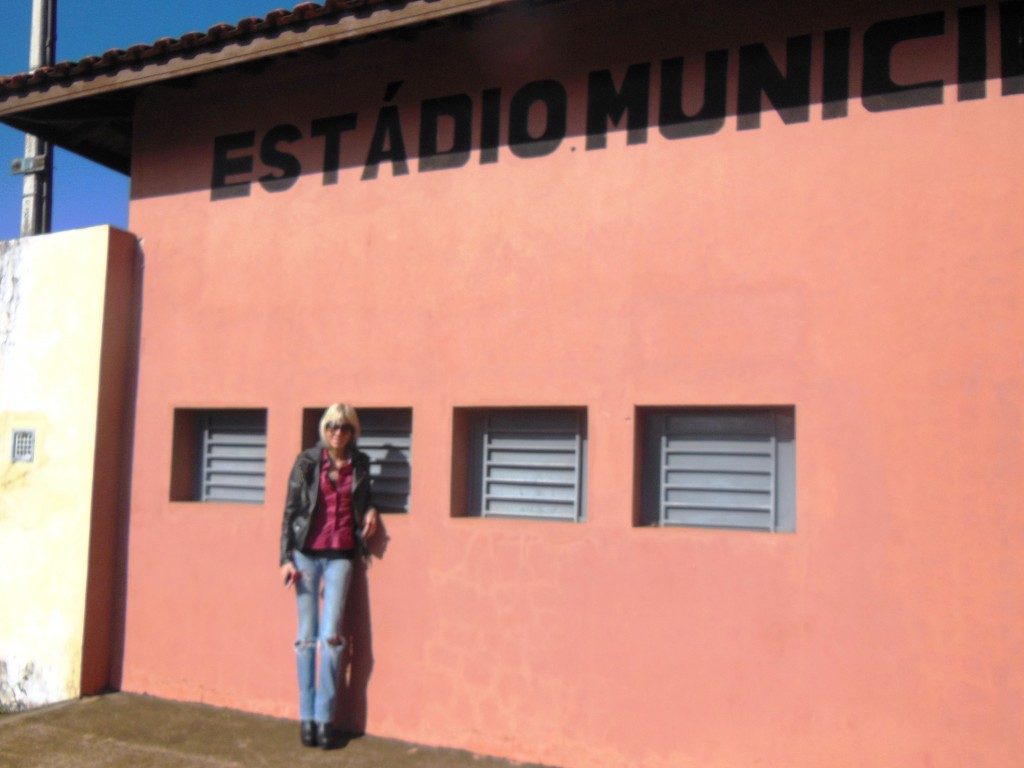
(334, 426)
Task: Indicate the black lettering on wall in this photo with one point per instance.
(972, 53)
(1011, 40)
(272, 156)
(552, 94)
(790, 94)
(224, 165)
(605, 103)
(537, 112)
(387, 144)
(673, 122)
(459, 108)
(835, 84)
(331, 129)
(879, 92)
(490, 125)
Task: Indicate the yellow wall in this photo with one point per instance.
(51, 332)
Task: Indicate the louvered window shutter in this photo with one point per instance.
(233, 456)
(530, 463)
(724, 469)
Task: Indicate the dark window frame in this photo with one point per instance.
(219, 455)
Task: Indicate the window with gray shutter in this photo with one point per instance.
(722, 468)
(528, 463)
(232, 455)
(387, 439)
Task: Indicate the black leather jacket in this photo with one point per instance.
(303, 491)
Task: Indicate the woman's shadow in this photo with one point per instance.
(357, 661)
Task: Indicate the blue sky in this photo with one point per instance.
(86, 193)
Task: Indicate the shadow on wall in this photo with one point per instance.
(358, 662)
(640, 77)
(14, 693)
(115, 455)
(394, 473)
(357, 665)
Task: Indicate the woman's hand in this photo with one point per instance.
(289, 574)
(370, 524)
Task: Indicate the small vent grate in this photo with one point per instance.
(23, 445)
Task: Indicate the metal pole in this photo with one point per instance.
(37, 166)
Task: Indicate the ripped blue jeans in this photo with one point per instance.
(320, 628)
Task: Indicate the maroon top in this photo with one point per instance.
(331, 526)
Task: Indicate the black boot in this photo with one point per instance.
(325, 735)
(307, 731)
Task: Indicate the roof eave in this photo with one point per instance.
(102, 102)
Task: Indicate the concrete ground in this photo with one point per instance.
(127, 731)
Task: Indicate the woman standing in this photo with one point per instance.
(328, 517)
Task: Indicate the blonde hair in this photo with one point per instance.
(344, 413)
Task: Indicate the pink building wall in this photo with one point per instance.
(864, 270)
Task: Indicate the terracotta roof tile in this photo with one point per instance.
(188, 43)
(276, 16)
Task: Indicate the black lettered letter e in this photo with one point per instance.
(225, 165)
